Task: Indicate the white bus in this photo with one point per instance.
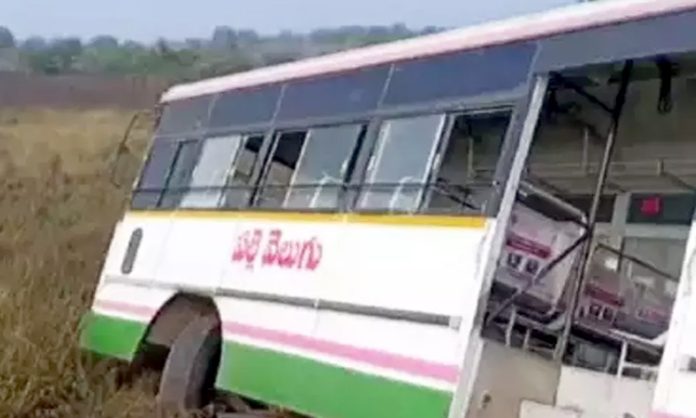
(487, 222)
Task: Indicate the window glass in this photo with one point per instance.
(245, 107)
(651, 288)
(154, 174)
(400, 163)
(467, 163)
(353, 92)
(185, 116)
(665, 254)
(323, 166)
(180, 175)
(499, 69)
(210, 174)
(281, 168)
(239, 177)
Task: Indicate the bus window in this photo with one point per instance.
(238, 183)
(464, 178)
(666, 254)
(400, 163)
(281, 169)
(154, 175)
(180, 174)
(323, 167)
(209, 176)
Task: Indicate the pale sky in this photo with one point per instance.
(146, 20)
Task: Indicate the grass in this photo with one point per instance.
(57, 210)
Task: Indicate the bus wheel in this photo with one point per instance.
(189, 372)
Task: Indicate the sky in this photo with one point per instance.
(146, 20)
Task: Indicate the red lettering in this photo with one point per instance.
(270, 255)
(278, 251)
(312, 253)
(247, 248)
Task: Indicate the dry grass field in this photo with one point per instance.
(57, 210)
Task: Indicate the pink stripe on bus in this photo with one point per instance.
(656, 414)
(381, 359)
(126, 308)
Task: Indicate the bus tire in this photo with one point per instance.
(190, 367)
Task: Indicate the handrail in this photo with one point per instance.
(560, 203)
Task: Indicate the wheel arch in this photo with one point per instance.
(175, 314)
(165, 326)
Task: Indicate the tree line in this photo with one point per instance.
(227, 50)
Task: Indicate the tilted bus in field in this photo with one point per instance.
(488, 222)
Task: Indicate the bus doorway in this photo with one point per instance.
(582, 296)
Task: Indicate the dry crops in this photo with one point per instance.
(57, 210)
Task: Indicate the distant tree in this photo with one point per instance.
(66, 51)
(287, 35)
(224, 38)
(428, 30)
(194, 43)
(216, 65)
(132, 45)
(104, 42)
(7, 39)
(34, 44)
(279, 57)
(43, 62)
(227, 51)
(247, 36)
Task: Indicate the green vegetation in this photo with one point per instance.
(227, 50)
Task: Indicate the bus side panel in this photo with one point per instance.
(120, 318)
(674, 394)
(123, 304)
(381, 343)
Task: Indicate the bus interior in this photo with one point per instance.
(601, 219)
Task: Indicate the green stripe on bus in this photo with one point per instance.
(111, 336)
(323, 390)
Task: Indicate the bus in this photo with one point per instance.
(492, 221)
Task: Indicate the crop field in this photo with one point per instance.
(58, 206)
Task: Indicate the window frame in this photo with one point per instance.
(254, 175)
(370, 164)
(345, 176)
(447, 139)
(229, 169)
(138, 183)
(197, 142)
(275, 135)
(200, 140)
(372, 122)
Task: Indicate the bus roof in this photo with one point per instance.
(527, 27)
